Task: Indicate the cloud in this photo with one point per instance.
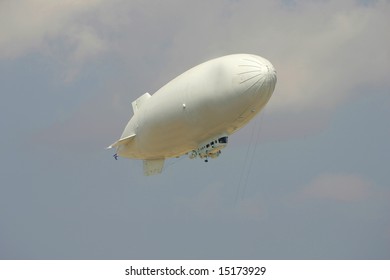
(30, 25)
(60, 30)
(338, 187)
(341, 49)
(323, 50)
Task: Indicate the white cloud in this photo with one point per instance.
(338, 49)
(56, 29)
(323, 50)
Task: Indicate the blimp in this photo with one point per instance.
(195, 113)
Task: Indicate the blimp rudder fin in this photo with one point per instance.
(140, 101)
(153, 166)
(122, 141)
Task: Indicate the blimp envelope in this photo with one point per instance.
(196, 112)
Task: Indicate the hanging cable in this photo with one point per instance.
(249, 158)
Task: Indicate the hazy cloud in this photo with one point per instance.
(339, 187)
(333, 54)
(32, 25)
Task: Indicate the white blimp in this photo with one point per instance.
(195, 113)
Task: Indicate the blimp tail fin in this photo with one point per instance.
(153, 166)
(122, 141)
(140, 101)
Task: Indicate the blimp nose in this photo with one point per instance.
(267, 71)
(257, 75)
(270, 71)
(269, 77)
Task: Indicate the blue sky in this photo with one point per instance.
(307, 179)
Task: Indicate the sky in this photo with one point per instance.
(307, 179)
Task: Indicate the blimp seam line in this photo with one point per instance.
(255, 84)
(251, 78)
(252, 71)
(248, 65)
